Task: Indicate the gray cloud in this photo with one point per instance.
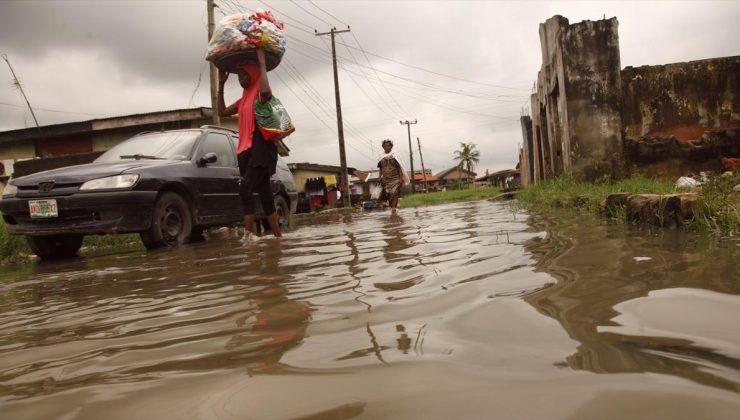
(108, 58)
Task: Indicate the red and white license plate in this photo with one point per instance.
(43, 209)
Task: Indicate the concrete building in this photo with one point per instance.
(575, 123)
(506, 180)
(592, 119)
(425, 181)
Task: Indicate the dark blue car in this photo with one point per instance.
(168, 186)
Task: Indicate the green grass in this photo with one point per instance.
(97, 245)
(717, 208)
(565, 191)
(14, 248)
(449, 196)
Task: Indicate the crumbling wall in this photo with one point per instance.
(681, 118)
(592, 82)
(682, 100)
(549, 100)
(576, 119)
(526, 157)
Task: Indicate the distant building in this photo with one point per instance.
(506, 180)
(425, 180)
(307, 174)
(449, 177)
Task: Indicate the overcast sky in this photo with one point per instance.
(462, 69)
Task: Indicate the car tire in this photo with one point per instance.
(55, 246)
(283, 212)
(171, 223)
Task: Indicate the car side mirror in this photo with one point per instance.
(207, 158)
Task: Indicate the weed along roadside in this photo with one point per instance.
(713, 207)
(15, 249)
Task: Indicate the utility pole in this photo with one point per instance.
(17, 83)
(423, 169)
(411, 152)
(340, 129)
(213, 72)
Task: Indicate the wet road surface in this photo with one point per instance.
(454, 311)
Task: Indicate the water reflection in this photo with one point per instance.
(169, 311)
(275, 323)
(418, 314)
(603, 268)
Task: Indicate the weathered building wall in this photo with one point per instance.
(681, 118)
(592, 140)
(682, 100)
(548, 101)
(17, 150)
(526, 157)
(590, 118)
(576, 123)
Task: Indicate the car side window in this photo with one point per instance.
(221, 146)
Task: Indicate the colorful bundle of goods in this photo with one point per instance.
(238, 36)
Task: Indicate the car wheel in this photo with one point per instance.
(171, 223)
(283, 212)
(55, 246)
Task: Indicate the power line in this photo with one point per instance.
(371, 85)
(301, 7)
(285, 15)
(427, 85)
(332, 16)
(376, 73)
(393, 99)
(326, 106)
(53, 110)
(317, 99)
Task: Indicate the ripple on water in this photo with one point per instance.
(427, 288)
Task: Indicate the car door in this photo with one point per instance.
(217, 183)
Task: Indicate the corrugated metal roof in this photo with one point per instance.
(64, 129)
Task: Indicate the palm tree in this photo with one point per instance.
(467, 157)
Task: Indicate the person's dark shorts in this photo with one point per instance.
(255, 179)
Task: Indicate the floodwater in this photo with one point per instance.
(454, 311)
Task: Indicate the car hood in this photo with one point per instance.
(82, 173)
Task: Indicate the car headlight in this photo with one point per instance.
(10, 191)
(111, 182)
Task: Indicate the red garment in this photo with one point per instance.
(245, 105)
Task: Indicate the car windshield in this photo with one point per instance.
(175, 145)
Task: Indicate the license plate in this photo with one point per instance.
(42, 209)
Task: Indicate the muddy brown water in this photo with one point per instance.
(469, 310)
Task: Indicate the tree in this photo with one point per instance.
(467, 157)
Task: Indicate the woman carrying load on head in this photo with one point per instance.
(257, 157)
(393, 175)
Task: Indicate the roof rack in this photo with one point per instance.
(219, 127)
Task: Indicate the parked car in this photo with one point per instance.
(167, 186)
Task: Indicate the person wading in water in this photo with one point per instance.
(393, 175)
(257, 158)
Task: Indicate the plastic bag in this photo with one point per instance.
(272, 119)
(687, 182)
(244, 33)
(375, 191)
